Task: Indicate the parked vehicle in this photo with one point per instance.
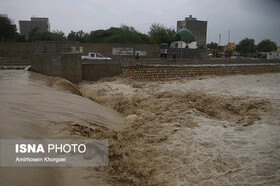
(95, 56)
(235, 57)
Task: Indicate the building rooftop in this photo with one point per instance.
(190, 18)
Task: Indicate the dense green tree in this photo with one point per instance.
(161, 34)
(212, 45)
(46, 36)
(124, 34)
(267, 46)
(128, 28)
(97, 36)
(201, 46)
(20, 38)
(246, 46)
(33, 32)
(8, 30)
(80, 36)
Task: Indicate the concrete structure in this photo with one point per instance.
(156, 72)
(67, 66)
(93, 71)
(230, 46)
(184, 38)
(70, 67)
(273, 55)
(197, 27)
(183, 44)
(187, 53)
(42, 24)
(24, 49)
(4, 15)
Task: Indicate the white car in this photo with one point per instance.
(96, 56)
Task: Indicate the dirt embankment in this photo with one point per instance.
(137, 152)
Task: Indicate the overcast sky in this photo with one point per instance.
(257, 19)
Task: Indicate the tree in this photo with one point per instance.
(201, 46)
(56, 35)
(124, 34)
(128, 28)
(33, 32)
(161, 34)
(246, 46)
(267, 45)
(212, 45)
(8, 30)
(80, 36)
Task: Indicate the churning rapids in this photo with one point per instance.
(203, 131)
(30, 107)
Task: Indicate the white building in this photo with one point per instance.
(183, 44)
(273, 55)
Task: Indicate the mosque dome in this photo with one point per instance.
(185, 35)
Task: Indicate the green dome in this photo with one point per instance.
(186, 35)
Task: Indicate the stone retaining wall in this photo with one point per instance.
(169, 72)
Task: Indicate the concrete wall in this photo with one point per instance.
(24, 49)
(188, 53)
(67, 66)
(168, 72)
(15, 49)
(93, 71)
(106, 49)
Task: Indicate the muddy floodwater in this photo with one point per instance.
(201, 131)
(30, 104)
(33, 106)
(192, 131)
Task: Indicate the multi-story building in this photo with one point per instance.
(4, 15)
(197, 27)
(42, 24)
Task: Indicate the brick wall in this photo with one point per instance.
(169, 72)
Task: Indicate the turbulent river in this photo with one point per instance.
(212, 131)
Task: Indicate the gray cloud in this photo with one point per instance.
(258, 19)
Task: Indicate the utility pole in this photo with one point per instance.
(228, 36)
(181, 48)
(220, 39)
(250, 46)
